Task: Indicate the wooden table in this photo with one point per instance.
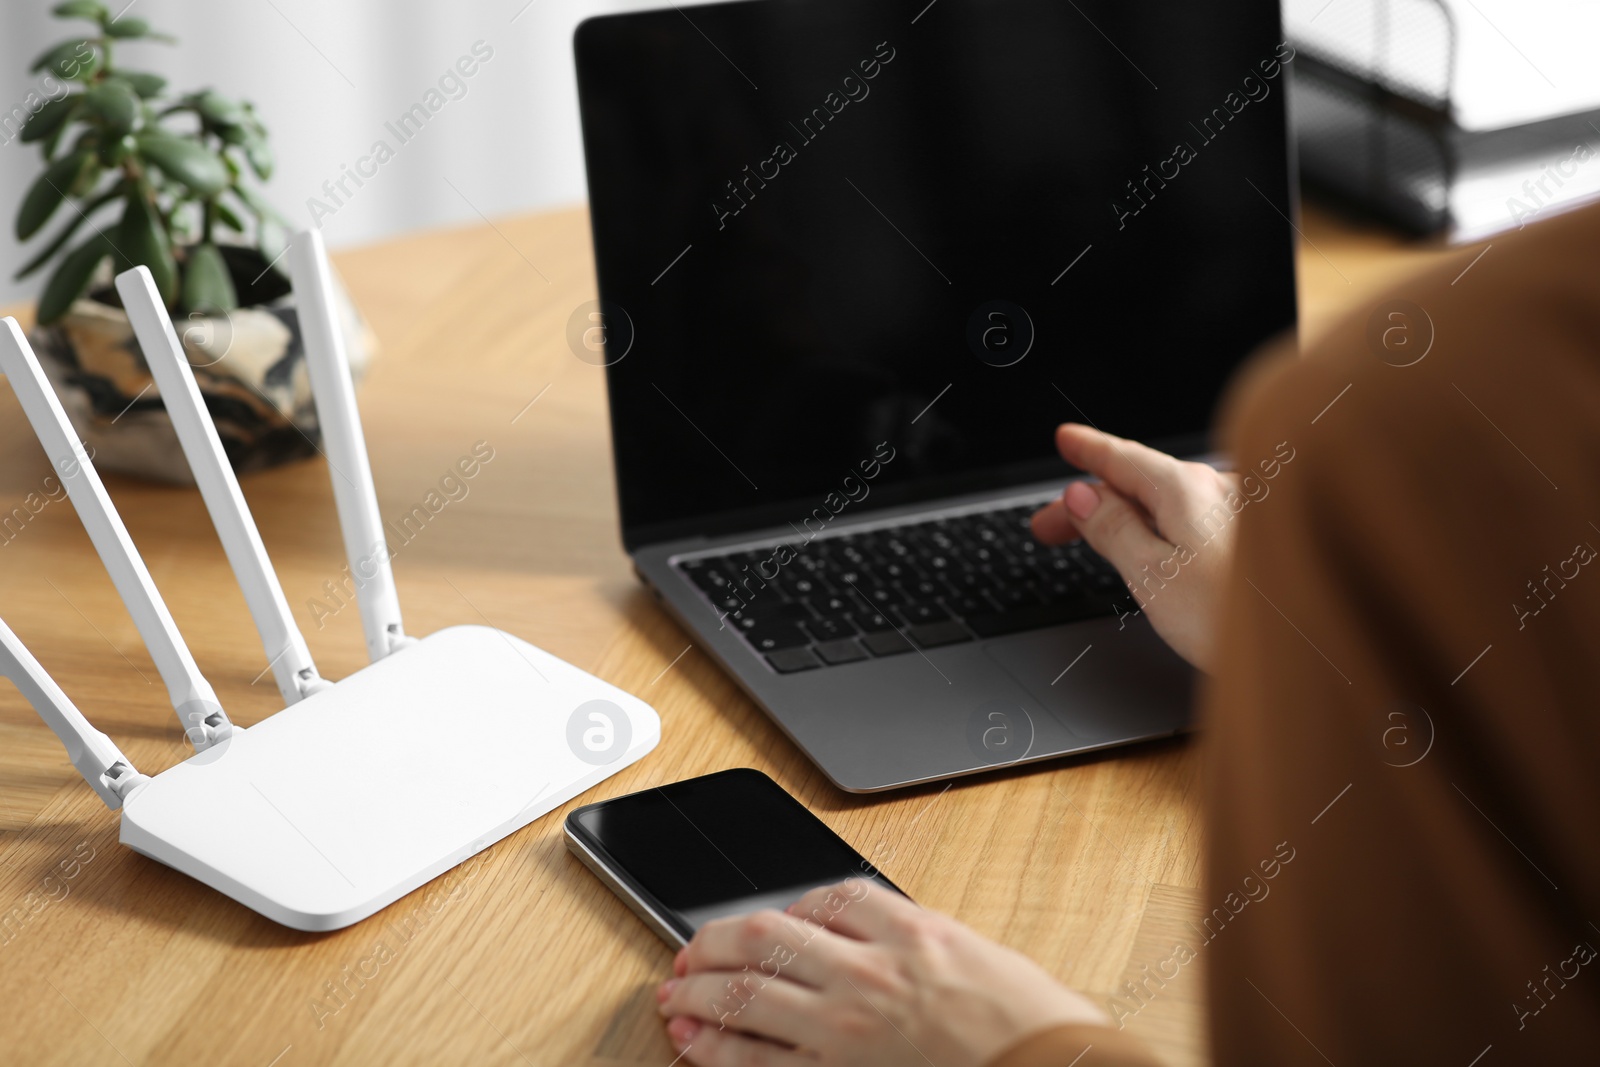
(1089, 866)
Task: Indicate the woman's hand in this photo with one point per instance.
(856, 975)
(1166, 525)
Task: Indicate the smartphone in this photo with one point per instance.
(723, 844)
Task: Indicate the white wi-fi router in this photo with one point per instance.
(358, 791)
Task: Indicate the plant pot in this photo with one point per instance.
(249, 364)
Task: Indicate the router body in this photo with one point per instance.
(358, 791)
(351, 798)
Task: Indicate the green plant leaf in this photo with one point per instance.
(260, 157)
(248, 130)
(52, 117)
(128, 28)
(142, 241)
(86, 69)
(228, 217)
(114, 104)
(71, 279)
(112, 153)
(53, 142)
(146, 85)
(87, 178)
(60, 240)
(184, 161)
(48, 190)
(207, 286)
(218, 109)
(81, 9)
(69, 59)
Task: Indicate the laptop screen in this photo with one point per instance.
(898, 242)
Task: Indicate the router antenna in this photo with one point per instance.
(354, 494)
(286, 649)
(101, 763)
(204, 721)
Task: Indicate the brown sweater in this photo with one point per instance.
(1407, 687)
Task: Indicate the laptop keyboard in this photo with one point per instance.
(888, 591)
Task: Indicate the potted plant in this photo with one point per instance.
(135, 175)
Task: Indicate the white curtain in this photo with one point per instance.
(330, 78)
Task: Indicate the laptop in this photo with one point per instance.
(857, 259)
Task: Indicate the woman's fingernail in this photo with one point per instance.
(664, 990)
(683, 1030)
(1081, 500)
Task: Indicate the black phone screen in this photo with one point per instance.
(724, 844)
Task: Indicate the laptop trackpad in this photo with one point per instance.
(1104, 680)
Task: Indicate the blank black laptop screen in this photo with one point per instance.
(829, 231)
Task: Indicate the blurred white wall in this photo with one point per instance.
(326, 75)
